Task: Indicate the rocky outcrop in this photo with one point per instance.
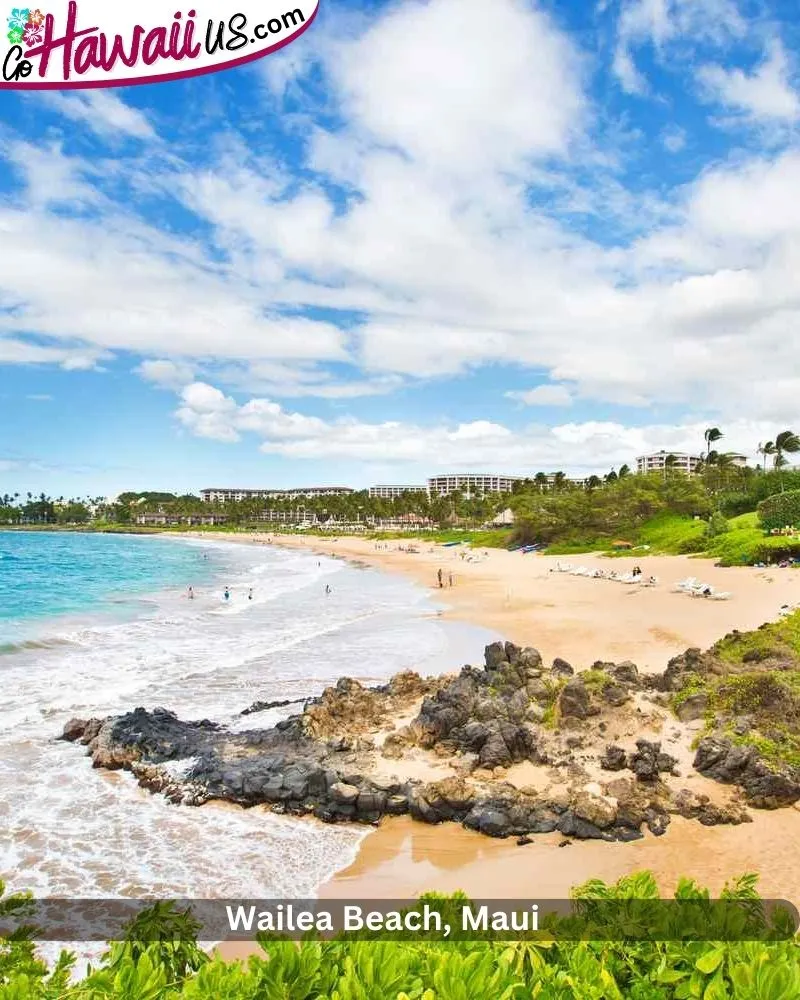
(330, 760)
(763, 787)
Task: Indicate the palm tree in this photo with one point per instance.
(786, 443)
(766, 449)
(624, 471)
(610, 477)
(711, 435)
(593, 482)
(669, 464)
(541, 480)
(559, 479)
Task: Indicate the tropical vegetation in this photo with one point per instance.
(725, 509)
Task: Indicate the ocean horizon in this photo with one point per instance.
(97, 625)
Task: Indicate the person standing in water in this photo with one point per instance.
(227, 594)
(250, 595)
(190, 594)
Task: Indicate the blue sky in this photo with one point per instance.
(424, 237)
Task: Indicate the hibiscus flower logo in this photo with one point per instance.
(33, 34)
(16, 24)
(18, 19)
(25, 25)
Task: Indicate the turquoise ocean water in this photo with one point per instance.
(45, 575)
(96, 625)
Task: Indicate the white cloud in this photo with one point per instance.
(438, 260)
(462, 88)
(102, 111)
(166, 373)
(544, 395)
(590, 446)
(766, 94)
(661, 23)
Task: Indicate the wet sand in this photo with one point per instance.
(406, 858)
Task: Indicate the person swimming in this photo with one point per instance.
(227, 594)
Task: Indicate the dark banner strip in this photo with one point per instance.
(438, 919)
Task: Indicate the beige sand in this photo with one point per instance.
(406, 858)
(576, 618)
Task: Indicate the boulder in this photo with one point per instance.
(494, 654)
(692, 708)
(561, 668)
(594, 807)
(613, 759)
(648, 761)
(626, 673)
(574, 701)
(344, 794)
(616, 695)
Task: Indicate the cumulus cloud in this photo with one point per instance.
(578, 447)
(422, 239)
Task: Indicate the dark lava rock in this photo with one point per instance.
(648, 761)
(614, 759)
(263, 706)
(561, 668)
(626, 673)
(574, 701)
(764, 788)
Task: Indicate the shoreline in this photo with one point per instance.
(579, 619)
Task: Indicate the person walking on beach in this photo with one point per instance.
(190, 594)
(450, 580)
(250, 595)
(227, 594)
(439, 575)
(327, 588)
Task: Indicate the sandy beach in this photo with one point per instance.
(582, 620)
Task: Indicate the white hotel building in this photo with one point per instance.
(219, 495)
(658, 462)
(391, 492)
(471, 485)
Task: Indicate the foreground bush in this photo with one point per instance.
(423, 969)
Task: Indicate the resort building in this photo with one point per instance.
(297, 516)
(236, 495)
(471, 485)
(678, 461)
(392, 492)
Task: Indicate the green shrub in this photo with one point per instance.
(717, 525)
(780, 510)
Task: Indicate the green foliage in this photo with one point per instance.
(717, 525)
(670, 959)
(780, 510)
(750, 687)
